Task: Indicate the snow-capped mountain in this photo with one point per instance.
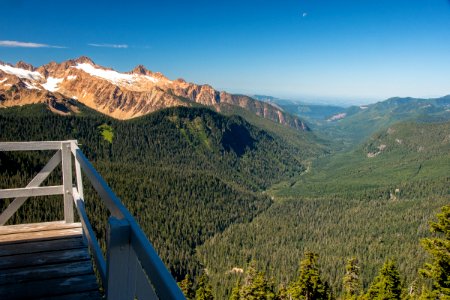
(120, 95)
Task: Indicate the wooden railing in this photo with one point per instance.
(132, 268)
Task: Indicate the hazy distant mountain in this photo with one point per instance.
(308, 111)
(120, 95)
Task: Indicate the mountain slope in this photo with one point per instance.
(352, 125)
(185, 173)
(120, 95)
(355, 204)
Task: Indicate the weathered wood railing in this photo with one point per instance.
(132, 268)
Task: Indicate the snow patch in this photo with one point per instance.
(52, 84)
(71, 77)
(22, 73)
(1, 81)
(363, 107)
(113, 76)
(152, 79)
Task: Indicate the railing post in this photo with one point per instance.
(117, 259)
(67, 181)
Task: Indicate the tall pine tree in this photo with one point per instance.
(352, 281)
(387, 284)
(439, 249)
(204, 289)
(309, 285)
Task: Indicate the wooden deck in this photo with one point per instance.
(45, 261)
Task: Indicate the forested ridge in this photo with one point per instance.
(185, 173)
(234, 206)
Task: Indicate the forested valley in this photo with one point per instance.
(240, 212)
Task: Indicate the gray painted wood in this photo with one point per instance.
(118, 239)
(144, 289)
(47, 269)
(31, 192)
(35, 182)
(45, 258)
(90, 295)
(37, 227)
(41, 288)
(41, 246)
(126, 241)
(26, 146)
(24, 274)
(67, 181)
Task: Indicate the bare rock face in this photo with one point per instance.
(120, 95)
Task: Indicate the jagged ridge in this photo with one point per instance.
(120, 95)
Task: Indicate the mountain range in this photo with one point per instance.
(352, 125)
(119, 95)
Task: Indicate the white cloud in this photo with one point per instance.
(26, 45)
(121, 46)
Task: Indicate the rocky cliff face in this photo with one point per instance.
(120, 95)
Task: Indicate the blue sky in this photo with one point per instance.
(334, 50)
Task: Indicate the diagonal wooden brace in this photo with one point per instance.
(35, 182)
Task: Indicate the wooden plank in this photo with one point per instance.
(41, 246)
(32, 227)
(49, 287)
(35, 182)
(27, 146)
(67, 181)
(44, 258)
(31, 192)
(91, 295)
(40, 235)
(17, 275)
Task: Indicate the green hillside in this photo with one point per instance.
(360, 122)
(185, 173)
(346, 205)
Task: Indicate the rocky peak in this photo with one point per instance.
(84, 60)
(141, 70)
(25, 66)
(123, 95)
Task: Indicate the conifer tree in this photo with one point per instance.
(352, 280)
(186, 287)
(309, 285)
(204, 289)
(387, 284)
(256, 285)
(439, 249)
(282, 293)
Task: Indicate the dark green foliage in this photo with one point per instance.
(255, 286)
(387, 284)
(186, 286)
(309, 284)
(178, 171)
(438, 247)
(352, 280)
(204, 289)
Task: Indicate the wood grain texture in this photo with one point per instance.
(50, 287)
(41, 246)
(48, 261)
